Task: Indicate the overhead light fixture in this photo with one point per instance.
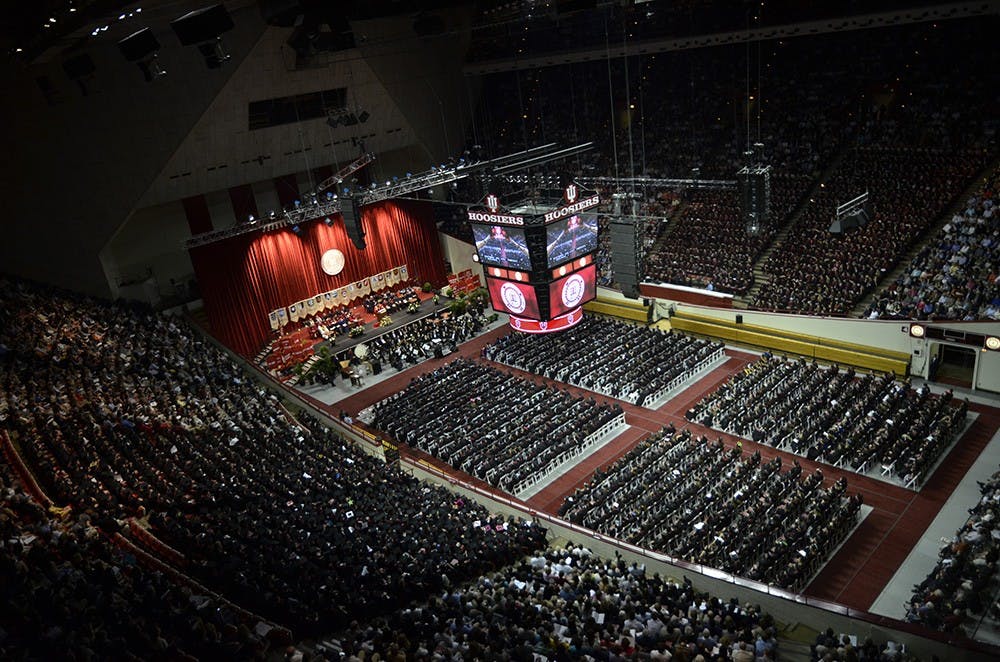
(992, 343)
(918, 330)
(204, 28)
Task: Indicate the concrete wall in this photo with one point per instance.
(459, 255)
(77, 165)
(222, 136)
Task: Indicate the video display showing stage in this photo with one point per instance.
(572, 291)
(513, 298)
(501, 246)
(570, 238)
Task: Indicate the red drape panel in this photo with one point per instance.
(198, 217)
(244, 202)
(287, 187)
(244, 278)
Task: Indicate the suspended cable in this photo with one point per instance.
(611, 96)
(628, 104)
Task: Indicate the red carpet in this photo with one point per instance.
(865, 563)
(551, 498)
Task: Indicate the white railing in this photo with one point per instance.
(686, 376)
(590, 442)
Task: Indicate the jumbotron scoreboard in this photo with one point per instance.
(538, 257)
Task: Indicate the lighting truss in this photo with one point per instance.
(286, 218)
(503, 166)
(412, 184)
(345, 172)
(629, 182)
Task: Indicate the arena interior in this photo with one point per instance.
(500, 330)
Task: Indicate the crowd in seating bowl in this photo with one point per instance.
(566, 604)
(864, 421)
(70, 594)
(955, 275)
(961, 587)
(494, 425)
(816, 271)
(625, 361)
(696, 500)
(122, 412)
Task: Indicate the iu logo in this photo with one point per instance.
(492, 203)
(571, 193)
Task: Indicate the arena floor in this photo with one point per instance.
(888, 551)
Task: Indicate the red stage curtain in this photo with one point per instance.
(287, 187)
(198, 217)
(244, 278)
(244, 202)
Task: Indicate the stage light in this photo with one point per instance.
(296, 229)
(475, 257)
(297, 204)
(328, 221)
(992, 343)
(251, 220)
(918, 330)
(330, 195)
(271, 214)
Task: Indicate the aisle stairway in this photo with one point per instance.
(760, 277)
(955, 207)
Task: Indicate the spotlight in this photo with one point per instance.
(251, 220)
(328, 221)
(142, 48)
(330, 195)
(918, 330)
(271, 215)
(297, 204)
(992, 343)
(296, 229)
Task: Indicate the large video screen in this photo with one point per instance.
(501, 246)
(570, 237)
(514, 298)
(572, 291)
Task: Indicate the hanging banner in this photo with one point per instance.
(378, 282)
(282, 316)
(275, 320)
(293, 312)
(404, 275)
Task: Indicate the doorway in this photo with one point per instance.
(952, 364)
